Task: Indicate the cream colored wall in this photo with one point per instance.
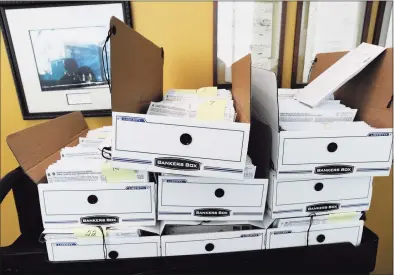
(185, 32)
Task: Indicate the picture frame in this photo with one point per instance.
(57, 55)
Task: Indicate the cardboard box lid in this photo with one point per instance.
(37, 147)
(136, 70)
(371, 91)
(241, 87)
(338, 74)
(137, 74)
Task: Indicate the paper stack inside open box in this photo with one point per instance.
(326, 146)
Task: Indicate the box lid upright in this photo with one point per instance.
(136, 69)
(37, 147)
(241, 87)
(370, 91)
(338, 74)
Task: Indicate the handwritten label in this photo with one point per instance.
(341, 216)
(114, 175)
(87, 232)
(211, 110)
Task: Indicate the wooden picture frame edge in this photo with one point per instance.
(13, 62)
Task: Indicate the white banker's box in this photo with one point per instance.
(170, 144)
(212, 237)
(64, 245)
(347, 152)
(207, 199)
(71, 204)
(297, 198)
(349, 231)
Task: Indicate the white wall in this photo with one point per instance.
(248, 27)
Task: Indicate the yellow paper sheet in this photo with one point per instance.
(88, 232)
(207, 92)
(341, 216)
(211, 110)
(114, 175)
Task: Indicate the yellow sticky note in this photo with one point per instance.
(117, 174)
(211, 110)
(185, 91)
(207, 92)
(341, 216)
(88, 232)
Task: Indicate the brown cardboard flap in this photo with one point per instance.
(370, 91)
(37, 147)
(241, 85)
(136, 70)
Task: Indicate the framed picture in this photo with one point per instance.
(57, 55)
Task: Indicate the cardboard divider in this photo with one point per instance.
(241, 85)
(265, 104)
(37, 147)
(370, 91)
(136, 70)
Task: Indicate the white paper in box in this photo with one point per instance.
(302, 154)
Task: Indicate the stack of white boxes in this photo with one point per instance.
(87, 200)
(203, 199)
(321, 173)
(207, 207)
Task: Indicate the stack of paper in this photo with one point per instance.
(290, 110)
(85, 163)
(338, 125)
(206, 228)
(207, 103)
(328, 115)
(319, 219)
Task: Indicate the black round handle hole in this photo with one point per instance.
(320, 238)
(219, 192)
(113, 255)
(319, 186)
(92, 199)
(332, 147)
(186, 139)
(209, 247)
